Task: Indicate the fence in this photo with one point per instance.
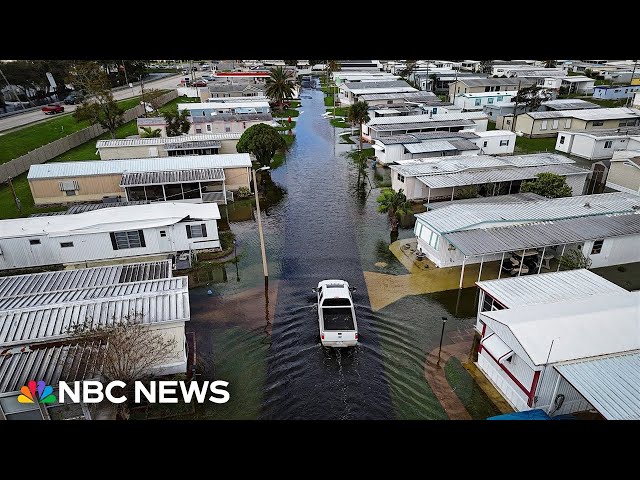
(51, 150)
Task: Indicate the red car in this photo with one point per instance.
(199, 83)
(52, 108)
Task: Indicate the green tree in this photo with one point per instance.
(409, 67)
(177, 123)
(262, 141)
(548, 185)
(99, 105)
(395, 205)
(550, 63)
(574, 259)
(359, 114)
(279, 86)
(486, 66)
(291, 63)
(148, 132)
(332, 66)
(532, 97)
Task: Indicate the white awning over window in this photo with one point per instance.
(496, 347)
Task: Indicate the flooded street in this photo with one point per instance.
(318, 226)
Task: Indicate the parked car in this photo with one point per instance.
(52, 109)
(73, 98)
(199, 83)
(336, 314)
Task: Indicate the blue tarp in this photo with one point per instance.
(537, 414)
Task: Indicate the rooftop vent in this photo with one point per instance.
(587, 205)
(635, 207)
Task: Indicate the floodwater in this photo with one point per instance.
(318, 225)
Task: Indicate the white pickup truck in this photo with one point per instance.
(336, 314)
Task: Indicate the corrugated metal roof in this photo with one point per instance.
(462, 144)
(420, 125)
(462, 216)
(590, 114)
(223, 105)
(150, 142)
(64, 280)
(53, 363)
(569, 104)
(548, 287)
(610, 384)
(421, 136)
(608, 133)
(377, 84)
(109, 219)
(579, 328)
(169, 303)
(497, 174)
(232, 117)
(100, 292)
(115, 167)
(536, 235)
(429, 146)
(461, 163)
(512, 198)
(428, 118)
(174, 176)
(489, 82)
(407, 96)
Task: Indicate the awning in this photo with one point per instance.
(496, 347)
(192, 145)
(610, 384)
(171, 176)
(377, 147)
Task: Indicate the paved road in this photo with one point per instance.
(32, 116)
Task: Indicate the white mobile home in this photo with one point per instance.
(350, 92)
(477, 101)
(426, 179)
(605, 227)
(454, 122)
(624, 172)
(564, 342)
(598, 144)
(496, 142)
(110, 234)
(389, 150)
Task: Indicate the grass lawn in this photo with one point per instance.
(328, 101)
(340, 111)
(336, 122)
(294, 103)
(286, 126)
(533, 145)
(24, 140)
(345, 138)
(608, 103)
(289, 112)
(330, 90)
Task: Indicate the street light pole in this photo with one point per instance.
(444, 321)
(235, 257)
(262, 249)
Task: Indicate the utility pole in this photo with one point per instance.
(15, 197)
(13, 90)
(630, 99)
(262, 248)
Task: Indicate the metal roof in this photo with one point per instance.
(234, 87)
(407, 96)
(569, 104)
(420, 125)
(377, 84)
(427, 117)
(253, 98)
(589, 114)
(462, 144)
(607, 133)
(145, 121)
(50, 363)
(117, 167)
(610, 384)
(464, 216)
(499, 93)
(108, 219)
(548, 287)
(150, 142)
(579, 328)
(190, 145)
(418, 137)
(151, 302)
(511, 198)
(496, 174)
(488, 82)
(536, 235)
(174, 176)
(461, 163)
(429, 146)
(232, 117)
(65, 280)
(223, 105)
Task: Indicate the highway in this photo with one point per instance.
(32, 116)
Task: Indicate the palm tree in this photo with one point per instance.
(549, 63)
(359, 114)
(332, 66)
(279, 86)
(394, 204)
(148, 132)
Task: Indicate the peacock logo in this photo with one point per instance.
(45, 393)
